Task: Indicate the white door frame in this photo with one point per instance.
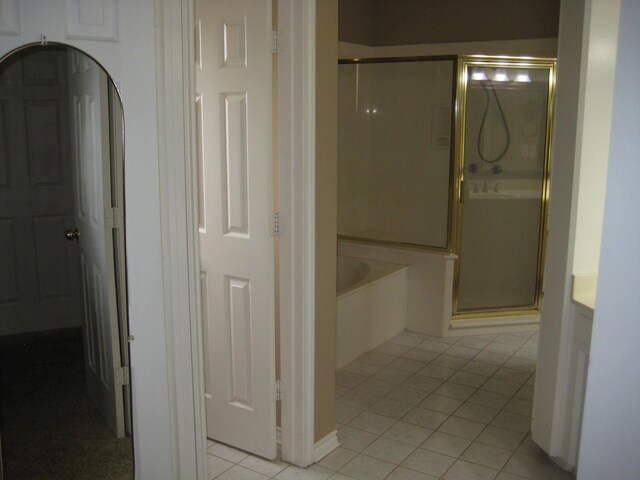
(178, 197)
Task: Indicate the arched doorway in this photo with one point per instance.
(66, 399)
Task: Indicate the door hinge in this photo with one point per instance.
(122, 376)
(275, 48)
(113, 217)
(278, 390)
(275, 224)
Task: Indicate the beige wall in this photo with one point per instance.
(326, 212)
(383, 22)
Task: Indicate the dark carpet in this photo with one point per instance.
(50, 428)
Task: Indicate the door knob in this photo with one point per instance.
(72, 234)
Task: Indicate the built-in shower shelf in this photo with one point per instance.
(510, 195)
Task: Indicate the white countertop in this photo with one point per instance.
(584, 290)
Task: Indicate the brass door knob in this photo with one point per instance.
(72, 234)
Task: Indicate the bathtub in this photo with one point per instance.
(372, 305)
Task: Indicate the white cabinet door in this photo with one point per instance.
(234, 114)
(88, 94)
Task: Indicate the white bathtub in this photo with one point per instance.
(372, 305)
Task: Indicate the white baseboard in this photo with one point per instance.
(325, 446)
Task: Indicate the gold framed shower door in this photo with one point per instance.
(465, 65)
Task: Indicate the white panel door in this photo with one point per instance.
(233, 84)
(39, 286)
(88, 87)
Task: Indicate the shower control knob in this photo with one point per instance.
(473, 168)
(497, 169)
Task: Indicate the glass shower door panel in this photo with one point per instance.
(394, 157)
(505, 141)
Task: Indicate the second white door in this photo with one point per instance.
(234, 116)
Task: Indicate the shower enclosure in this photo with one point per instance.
(395, 165)
(451, 155)
(504, 129)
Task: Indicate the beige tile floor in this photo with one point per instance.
(423, 408)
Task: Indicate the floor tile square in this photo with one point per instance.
(437, 371)
(509, 476)
(425, 418)
(357, 399)
(314, 472)
(372, 423)
(519, 406)
(392, 349)
(446, 444)
(375, 358)
(462, 352)
(420, 382)
(459, 392)
(511, 421)
(348, 379)
(461, 427)
(449, 361)
(405, 394)
(477, 413)
(389, 450)
(468, 379)
(408, 365)
(500, 437)
(500, 386)
(440, 403)
(346, 413)
(228, 453)
(364, 467)
(377, 387)
(270, 468)
(462, 470)
(340, 476)
(473, 342)
(489, 399)
(501, 348)
(512, 375)
(526, 392)
(241, 473)
(360, 368)
(487, 455)
(434, 346)
(530, 467)
(491, 358)
(508, 339)
(355, 439)
(529, 447)
(479, 368)
(421, 355)
(408, 433)
(391, 375)
(402, 473)
(337, 459)
(217, 465)
(390, 408)
(428, 462)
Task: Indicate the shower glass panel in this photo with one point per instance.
(505, 133)
(395, 155)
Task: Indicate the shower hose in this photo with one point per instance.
(484, 119)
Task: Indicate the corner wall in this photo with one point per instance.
(611, 426)
(326, 213)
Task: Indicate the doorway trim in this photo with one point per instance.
(178, 199)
